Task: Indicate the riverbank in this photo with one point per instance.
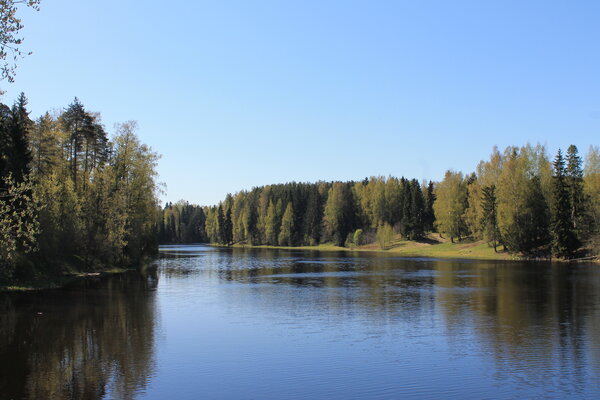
(44, 281)
(431, 247)
(58, 281)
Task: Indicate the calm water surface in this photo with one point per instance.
(268, 324)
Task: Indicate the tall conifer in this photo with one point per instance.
(563, 237)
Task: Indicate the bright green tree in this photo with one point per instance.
(450, 205)
(384, 236)
(19, 225)
(523, 214)
(339, 215)
(286, 234)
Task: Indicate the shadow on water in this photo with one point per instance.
(91, 339)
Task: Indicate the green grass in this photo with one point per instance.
(429, 248)
(471, 250)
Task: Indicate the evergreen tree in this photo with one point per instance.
(313, 217)
(222, 237)
(5, 142)
(564, 241)
(78, 124)
(489, 220)
(417, 210)
(228, 230)
(429, 217)
(20, 127)
(580, 218)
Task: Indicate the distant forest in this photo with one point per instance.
(71, 199)
(518, 200)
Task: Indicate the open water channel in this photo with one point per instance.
(216, 323)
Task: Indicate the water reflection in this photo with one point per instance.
(239, 323)
(537, 323)
(88, 341)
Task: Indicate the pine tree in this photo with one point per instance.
(574, 180)
(228, 231)
(221, 226)
(20, 127)
(564, 241)
(489, 220)
(5, 143)
(78, 124)
(429, 218)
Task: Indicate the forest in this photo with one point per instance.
(519, 201)
(71, 199)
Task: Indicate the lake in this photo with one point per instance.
(217, 323)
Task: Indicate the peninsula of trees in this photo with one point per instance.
(518, 201)
(72, 200)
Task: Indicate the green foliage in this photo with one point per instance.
(19, 225)
(287, 226)
(89, 203)
(357, 238)
(523, 212)
(10, 41)
(580, 217)
(429, 216)
(508, 201)
(339, 216)
(474, 211)
(182, 223)
(384, 236)
(591, 188)
(489, 215)
(564, 241)
(450, 205)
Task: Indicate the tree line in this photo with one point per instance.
(295, 214)
(71, 199)
(518, 201)
(525, 202)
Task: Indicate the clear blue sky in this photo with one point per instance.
(236, 94)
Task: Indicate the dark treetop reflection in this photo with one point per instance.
(243, 323)
(81, 342)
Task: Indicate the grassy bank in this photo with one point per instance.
(431, 247)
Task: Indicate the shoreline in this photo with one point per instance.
(60, 281)
(470, 250)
